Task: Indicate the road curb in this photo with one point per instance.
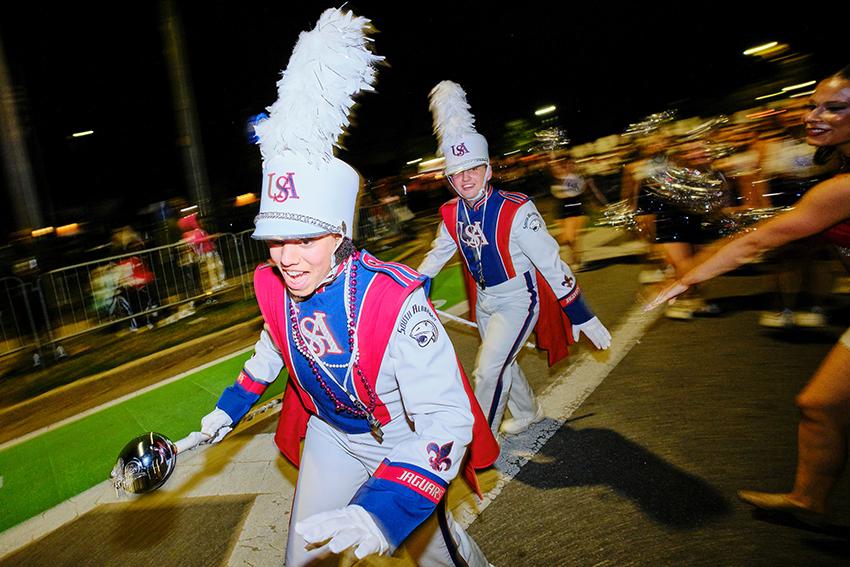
(93, 391)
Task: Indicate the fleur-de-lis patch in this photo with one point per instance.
(568, 281)
(440, 460)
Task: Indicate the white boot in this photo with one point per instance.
(515, 426)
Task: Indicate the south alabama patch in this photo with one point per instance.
(420, 323)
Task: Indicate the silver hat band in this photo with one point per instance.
(274, 215)
(466, 164)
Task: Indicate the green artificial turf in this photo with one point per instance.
(46, 470)
(448, 286)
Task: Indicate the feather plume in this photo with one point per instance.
(452, 118)
(329, 65)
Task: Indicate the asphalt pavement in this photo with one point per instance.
(645, 471)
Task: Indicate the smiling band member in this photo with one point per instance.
(512, 264)
(374, 388)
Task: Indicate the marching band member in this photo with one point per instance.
(512, 262)
(375, 389)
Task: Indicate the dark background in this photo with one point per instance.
(100, 66)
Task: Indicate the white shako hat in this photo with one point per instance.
(462, 147)
(305, 190)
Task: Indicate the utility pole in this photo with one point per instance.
(188, 130)
(19, 177)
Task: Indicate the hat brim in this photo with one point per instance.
(464, 165)
(291, 230)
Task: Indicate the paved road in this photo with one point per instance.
(637, 462)
(646, 471)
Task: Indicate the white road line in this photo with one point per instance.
(559, 401)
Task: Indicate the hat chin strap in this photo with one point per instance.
(477, 197)
(333, 254)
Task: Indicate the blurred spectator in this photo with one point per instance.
(202, 252)
(743, 168)
(130, 278)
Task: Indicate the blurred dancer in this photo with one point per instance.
(652, 161)
(374, 389)
(825, 209)
(685, 196)
(802, 283)
(512, 262)
(569, 189)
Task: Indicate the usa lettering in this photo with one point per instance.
(282, 187)
(422, 484)
(459, 149)
(318, 336)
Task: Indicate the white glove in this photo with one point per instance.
(595, 332)
(351, 526)
(215, 425)
(190, 442)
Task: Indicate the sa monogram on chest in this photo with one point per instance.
(472, 234)
(317, 334)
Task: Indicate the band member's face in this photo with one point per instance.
(304, 263)
(469, 182)
(828, 120)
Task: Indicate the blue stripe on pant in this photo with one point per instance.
(494, 404)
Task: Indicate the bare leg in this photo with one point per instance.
(821, 436)
(680, 255)
(570, 229)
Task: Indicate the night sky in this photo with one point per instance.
(100, 66)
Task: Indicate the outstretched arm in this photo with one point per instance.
(825, 205)
(259, 371)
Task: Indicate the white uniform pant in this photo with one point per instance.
(334, 465)
(506, 315)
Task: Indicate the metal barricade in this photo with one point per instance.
(135, 288)
(252, 253)
(379, 221)
(17, 324)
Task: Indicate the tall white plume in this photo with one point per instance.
(329, 65)
(450, 110)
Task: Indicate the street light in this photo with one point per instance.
(771, 95)
(545, 110)
(760, 48)
(800, 86)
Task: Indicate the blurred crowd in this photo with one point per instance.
(674, 184)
